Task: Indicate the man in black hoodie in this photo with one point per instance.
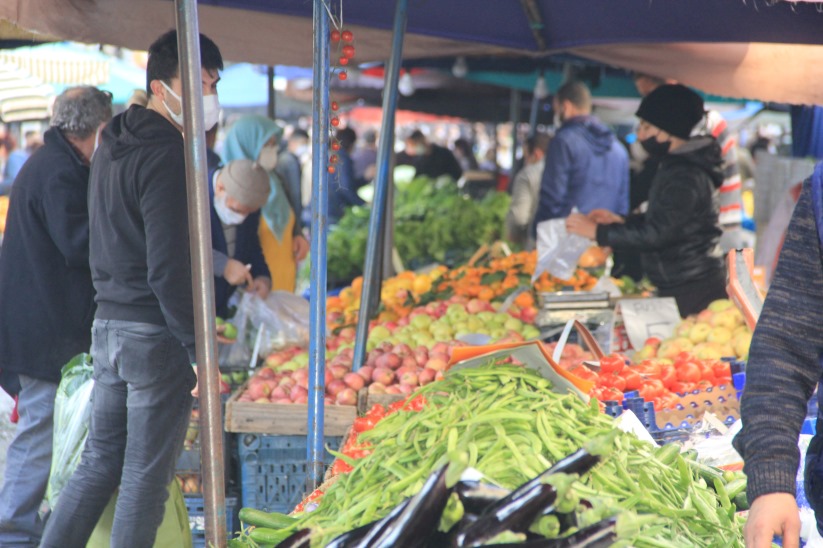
(143, 331)
(47, 296)
(679, 234)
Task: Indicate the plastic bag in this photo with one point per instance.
(72, 412)
(284, 318)
(557, 250)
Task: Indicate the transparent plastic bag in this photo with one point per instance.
(557, 250)
(72, 412)
(284, 318)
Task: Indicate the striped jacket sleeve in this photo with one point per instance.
(784, 361)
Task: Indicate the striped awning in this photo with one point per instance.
(22, 96)
(54, 64)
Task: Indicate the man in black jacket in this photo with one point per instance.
(143, 331)
(47, 296)
(679, 234)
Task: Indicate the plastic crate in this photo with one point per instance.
(273, 470)
(197, 518)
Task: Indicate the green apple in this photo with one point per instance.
(226, 378)
(378, 333)
(513, 324)
(230, 332)
(239, 377)
(485, 316)
(421, 321)
(530, 332)
(219, 321)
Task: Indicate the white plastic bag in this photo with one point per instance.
(72, 413)
(557, 250)
(284, 318)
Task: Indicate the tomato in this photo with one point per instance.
(651, 389)
(688, 372)
(597, 393)
(613, 363)
(649, 369)
(363, 424)
(417, 403)
(376, 412)
(669, 401)
(618, 383)
(704, 384)
(583, 372)
(720, 381)
(707, 373)
(721, 369)
(633, 379)
(613, 394)
(668, 375)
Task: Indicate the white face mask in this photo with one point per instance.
(227, 215)
(177, 118)
(301, 151)
(211, 109)
(268, 158)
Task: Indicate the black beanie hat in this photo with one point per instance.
(674, 108)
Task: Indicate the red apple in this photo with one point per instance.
(383, 376)
(426, 376)
(437, 364)
(377, 388)
(347, 397)
(389, 361)
(407, 388)
(366, 372)
(335, 387)
(409, 378)
(393, 389)
(354, 381)
(266, 373)
(339, 371)
(402, 350)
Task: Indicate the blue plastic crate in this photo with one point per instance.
(197, 518)
(273, 470)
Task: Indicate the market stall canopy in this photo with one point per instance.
(22, 97)
(726, 47)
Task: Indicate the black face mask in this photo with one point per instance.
(655, 148)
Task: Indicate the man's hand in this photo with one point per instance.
(577, 223)
(261, 286)
(770, 515)
(237, 273)
(300, 248)
(604, 217)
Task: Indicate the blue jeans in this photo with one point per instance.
(28, 464)
(141, 404)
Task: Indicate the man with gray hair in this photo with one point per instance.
(47, 295)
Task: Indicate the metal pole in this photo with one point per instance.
(319, 229)
(514, 115)
(381, 183)
(211, 419)
(272, 104)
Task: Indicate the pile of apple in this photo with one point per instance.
(720, 331)
(401, 355)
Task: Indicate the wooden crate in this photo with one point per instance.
(283, 419)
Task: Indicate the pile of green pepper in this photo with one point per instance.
(508, 423)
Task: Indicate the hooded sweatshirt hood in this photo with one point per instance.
(705, 153)
(138, 127)
(593, 131)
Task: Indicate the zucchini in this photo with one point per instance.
(258, 518)
(268, 537)
(741, 501)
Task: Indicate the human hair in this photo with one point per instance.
(417, 137)
(79, 111)
(656, 80)
(577, 93)
(463, 146)
(370, 137)
(163, 63)
(538, 141)
(299, 133)
(347, 137)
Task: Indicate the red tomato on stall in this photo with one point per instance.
(633, 379)
(612, 364)
(689, 372)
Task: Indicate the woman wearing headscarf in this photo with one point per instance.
(256, 138)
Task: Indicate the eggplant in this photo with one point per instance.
(350, 538)
(600, 535)
(514, 514)
(417, 523)
(300, 539)
(518, 510)
(476, 496)
(373, 530)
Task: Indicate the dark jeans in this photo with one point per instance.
(141, 403)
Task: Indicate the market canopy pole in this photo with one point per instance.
(319, 221)
(272, 104)
(211, 420)
(381, 183)
(514, 114)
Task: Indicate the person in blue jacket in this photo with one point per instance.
(586, 166)
(238, 191)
